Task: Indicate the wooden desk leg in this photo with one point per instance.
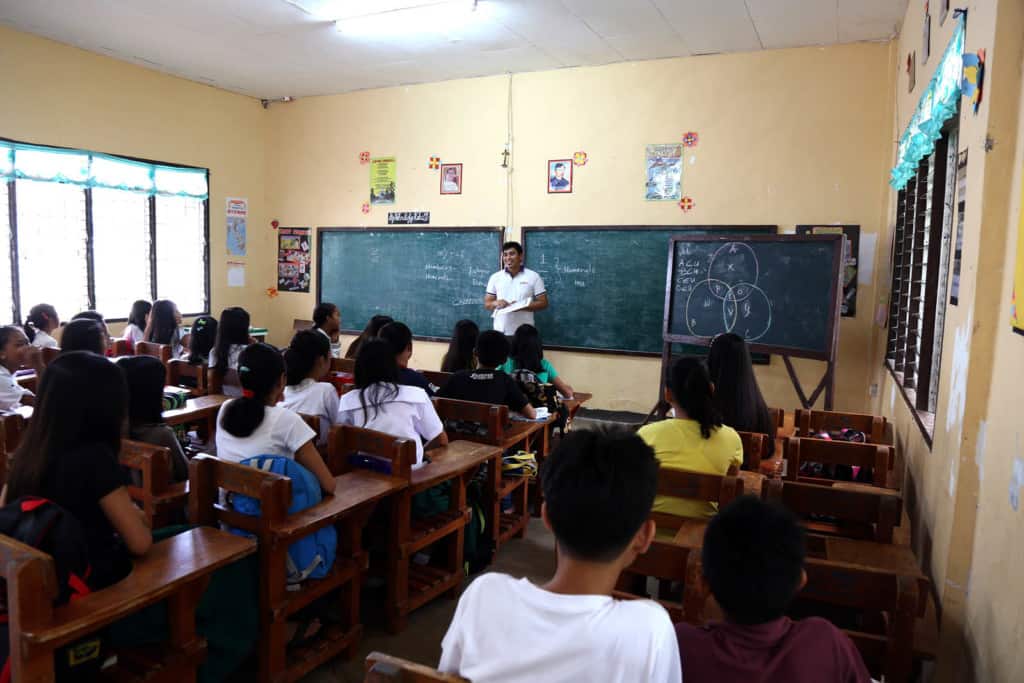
(456, 543)
(181, 617)
(350, 545)
(398, 562)
(273, 627)
(494, 486)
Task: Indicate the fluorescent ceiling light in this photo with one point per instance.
(338, 10)
(445, 18)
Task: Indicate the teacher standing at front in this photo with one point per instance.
(514, 285)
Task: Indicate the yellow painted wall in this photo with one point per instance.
(786, 137)
(60, 95)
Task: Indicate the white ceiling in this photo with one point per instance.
(271, 48)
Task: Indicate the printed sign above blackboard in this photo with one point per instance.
(408, 218)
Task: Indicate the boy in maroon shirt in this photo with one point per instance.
(753, 559)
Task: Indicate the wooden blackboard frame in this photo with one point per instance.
(498, 231)
(827, 383)
(767, 229)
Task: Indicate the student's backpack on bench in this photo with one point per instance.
(49, 528)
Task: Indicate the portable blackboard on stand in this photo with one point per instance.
(780, 292)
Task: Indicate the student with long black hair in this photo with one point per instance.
(695, 439)
(399, 337)
(145, 377)
(16, 353)
(307, 360)
(369, 332)
(164, 326)
(202, 337)
(327, 321)
(232, 338)
(41, 321)
(70, 455)
(528, 354)
(737, 395)
(255, 425)
(461, 350)
(138, 318)
(381, 403)
(85, 334)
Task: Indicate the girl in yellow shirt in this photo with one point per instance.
(695, 439)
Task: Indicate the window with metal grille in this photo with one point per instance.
(920, 256)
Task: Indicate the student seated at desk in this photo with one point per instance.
(737, 395)
(85, 334)
(145, 377)
(41, 321)
(399, 336)
(753, 557)
(307, 360)
(461, 353)
(527, 353)
(255, 425)
(695, 439)
(164, 326)
(598, 490)
(369, 332)
(327, 321)
(232, 338)
(379, 402)
(70, 456)
(202, 337)
(138, 319)
(16, 353)
(488, 384)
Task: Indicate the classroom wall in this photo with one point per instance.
(965, 525)
(786, 137)
(60, 95)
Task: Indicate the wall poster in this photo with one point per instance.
(294, 264)
(664, 168)
(236, 216)
(851, 251)
(382, 180)
(958, 246)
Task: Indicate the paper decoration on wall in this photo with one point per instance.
(435, 163)
(451, 178)
(364, 157)
(559, 176)
(911, 72)
(294, 264)
(366, 207)
(686, 204)
(690, 139)
(236, 274)
(274, 224)
(664, 167)
(272, 292)
(382, 180)
(237, 215)
(579, 159)
(973, 83)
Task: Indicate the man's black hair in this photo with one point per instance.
(323, 311)
(559, 165)
(599, 487)
(753, 556)
(491, 349)
(512, 245)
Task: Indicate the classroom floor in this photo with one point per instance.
(532, 557)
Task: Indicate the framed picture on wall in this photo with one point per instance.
(451, 178)
(559, 176)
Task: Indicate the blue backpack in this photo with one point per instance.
(312, 556)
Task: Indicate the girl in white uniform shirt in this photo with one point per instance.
(164, 326)
(254, 425)
(138, 319)
(232, 337)
(307, 360)
(41, 321)
(16, 353)
(381, 404)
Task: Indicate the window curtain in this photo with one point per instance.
(30, 162)
(937, 104)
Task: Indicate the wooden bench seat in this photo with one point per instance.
(809, 422)
(162, 501)
(176, 569)
(755, 448)
(865, 512)
(697, 486)
(875, 456)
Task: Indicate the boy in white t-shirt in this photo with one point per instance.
(598, 493)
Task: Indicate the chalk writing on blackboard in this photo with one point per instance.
(722, 294)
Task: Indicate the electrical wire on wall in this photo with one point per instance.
(507, 165)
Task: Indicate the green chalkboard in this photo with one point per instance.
(427, 278)
(780, 293)
(606, 284)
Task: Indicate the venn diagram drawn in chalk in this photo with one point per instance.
(729, 299)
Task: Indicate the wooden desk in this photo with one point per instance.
(573, 404)
(202, 409)
(176, 569)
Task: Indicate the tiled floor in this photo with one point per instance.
(533, 557)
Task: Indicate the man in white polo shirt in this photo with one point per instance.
(512, 285)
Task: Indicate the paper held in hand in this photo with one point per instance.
(516, 306)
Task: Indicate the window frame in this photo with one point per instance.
(919, 279)
(12, 207)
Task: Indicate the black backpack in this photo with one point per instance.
(541, 395)
(49, 528)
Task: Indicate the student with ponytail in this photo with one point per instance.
(254, 424)
(41, 321)
(695, 439)
(307, 360)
